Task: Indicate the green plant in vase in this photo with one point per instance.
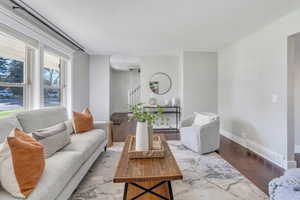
(139, 114)
(145, 121)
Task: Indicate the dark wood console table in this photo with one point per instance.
(170, 110)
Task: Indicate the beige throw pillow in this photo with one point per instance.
(53, 138)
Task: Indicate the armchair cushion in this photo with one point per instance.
(200, 119)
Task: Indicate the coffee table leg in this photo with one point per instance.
(125, 191)
(170, 190)
(149, 190)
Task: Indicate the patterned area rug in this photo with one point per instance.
(206, 177)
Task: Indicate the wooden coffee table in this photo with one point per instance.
(147, 179)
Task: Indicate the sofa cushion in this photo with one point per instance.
(38, 119)
(6, 126)
(59, 170)
(86, 143)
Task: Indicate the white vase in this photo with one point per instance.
(142, 137)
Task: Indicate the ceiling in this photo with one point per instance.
(142, 27)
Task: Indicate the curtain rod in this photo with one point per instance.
(36, 15)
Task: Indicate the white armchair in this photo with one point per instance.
(201, 139)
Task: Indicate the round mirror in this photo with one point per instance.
(160, 83)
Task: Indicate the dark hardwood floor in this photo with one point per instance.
(255, 168)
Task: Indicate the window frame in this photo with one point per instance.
(32, 85)
(62, 76)
(28, 62)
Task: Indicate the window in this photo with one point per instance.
(26, 81)
(52, 80)
(12, 75)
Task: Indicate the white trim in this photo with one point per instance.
(19, 24)
(31, 61)
(19, 36)
(69, 85)
(261, 150)
(56, 53)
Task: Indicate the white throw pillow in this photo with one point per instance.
(201, 119)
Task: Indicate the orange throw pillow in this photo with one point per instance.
(83, 122)
(22, 163)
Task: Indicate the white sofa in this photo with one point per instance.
(201, 139)
(66, 168)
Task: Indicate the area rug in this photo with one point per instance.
(206, 177)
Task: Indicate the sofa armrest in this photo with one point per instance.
(106, 126)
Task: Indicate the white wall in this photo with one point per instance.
(99, 87)
(199, 82)
(153, 64)
(252, 73)
(80, 81)
(121, 82)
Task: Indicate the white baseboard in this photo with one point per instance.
(262, 151)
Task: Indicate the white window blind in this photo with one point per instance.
(51, 61)
(11, 47)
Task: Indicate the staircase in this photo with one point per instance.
(134, 96)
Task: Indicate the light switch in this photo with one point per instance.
(274, 98)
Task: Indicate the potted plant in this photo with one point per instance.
(145, 120)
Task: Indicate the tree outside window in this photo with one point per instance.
(12, 67)
(52, 80)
